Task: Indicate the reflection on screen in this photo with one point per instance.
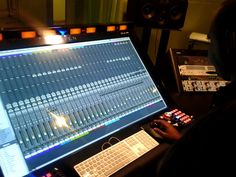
(58, 99)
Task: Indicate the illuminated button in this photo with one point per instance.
(75, 31)
(173, 111)
(28, 34)
(186, 117)
(123, 27)
(179, 116)
(91, 30)
(49, 175)
(177, 113)
(111, 28)
(1, 37)
(187, 121)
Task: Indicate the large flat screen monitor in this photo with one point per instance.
(58, 99)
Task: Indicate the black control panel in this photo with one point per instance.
(175, 117)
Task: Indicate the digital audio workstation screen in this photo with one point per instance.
(58, 99)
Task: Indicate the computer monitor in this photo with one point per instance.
(59, 99)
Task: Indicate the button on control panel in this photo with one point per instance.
(176, 117)
(173, 116)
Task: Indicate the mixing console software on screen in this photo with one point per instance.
(53, 98)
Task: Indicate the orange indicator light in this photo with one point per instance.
(91, 30)
(28, 34)
(123, 27)
(111, 28)
(75, 31)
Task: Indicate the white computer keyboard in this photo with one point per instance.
(112, 159)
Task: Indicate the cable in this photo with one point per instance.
(111, 138)
(108, 143)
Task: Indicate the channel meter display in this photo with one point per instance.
(58, 99)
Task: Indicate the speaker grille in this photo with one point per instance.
(168, 14)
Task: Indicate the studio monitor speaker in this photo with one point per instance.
(163, 14)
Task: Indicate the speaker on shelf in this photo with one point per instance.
(163, 14)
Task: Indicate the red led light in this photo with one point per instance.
(49, 175)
